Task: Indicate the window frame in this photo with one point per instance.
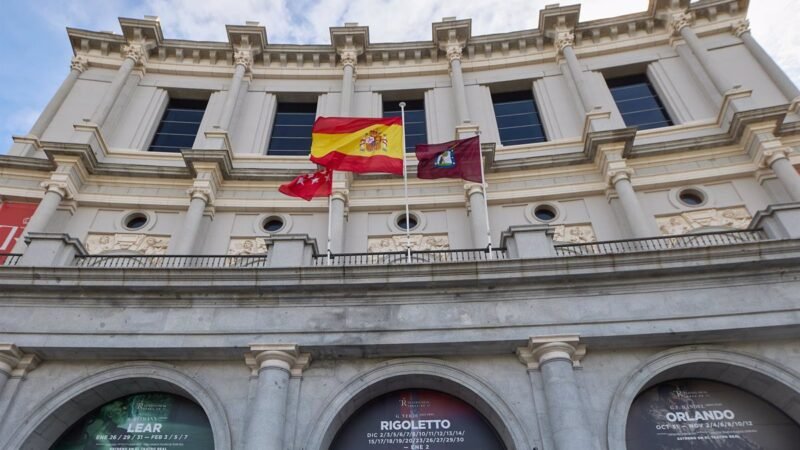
(524, 96)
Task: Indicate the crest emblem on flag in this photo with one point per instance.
(374, 141)
(446, 159)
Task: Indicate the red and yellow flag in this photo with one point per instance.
(358, 145)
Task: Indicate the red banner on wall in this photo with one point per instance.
(13, 218)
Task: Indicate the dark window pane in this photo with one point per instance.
(291, 132)
(638, 102)
(179, 125)
(518, 118)
(415, 125)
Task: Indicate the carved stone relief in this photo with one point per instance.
(689, 221)
(247, 246)
(398, 243)
(574, 234)
(97, 243)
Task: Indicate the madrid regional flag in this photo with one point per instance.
(310, 185)
(358, 145)
(454, 159)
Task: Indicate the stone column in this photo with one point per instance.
(78, 65)
(641, 225)
(275, 364)
(778, 161)
(54, 193)
(338, 212)
(134, 54)
(784, 83)
(348, 81)
(681, 24)
(10, 356)
(200, 198)
(564, 42)
(477, 214)
(242, 60)
(457, 80)
(556, 357)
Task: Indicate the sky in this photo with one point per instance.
(36, 53)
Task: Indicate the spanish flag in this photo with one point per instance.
(358, 145)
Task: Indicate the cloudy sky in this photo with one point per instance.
(36, 53)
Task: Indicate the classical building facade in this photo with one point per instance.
(640, 290)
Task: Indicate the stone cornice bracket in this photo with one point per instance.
(142, 36)
(451, 37)
(546, 348)
(558, 24)
(246, 41)
(14, 362)
(679, 21)
(282, 356)
(350, 41)
(740, 27)
(79, 63)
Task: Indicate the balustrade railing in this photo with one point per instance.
(173, 262)
(414, 257)
(714, 239)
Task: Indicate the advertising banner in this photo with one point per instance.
(701, 414)
(150, 421)
(416, 419)
(13, 218)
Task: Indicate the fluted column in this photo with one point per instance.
(565, 40)
(778, 161)
(348, 81)
(134, 54)
(454, 49)
(275, 365)
(641, 225)
(742, 30)
(201, 197)
(556, 357)
(681, 24)
(477, 214)
(242, 59)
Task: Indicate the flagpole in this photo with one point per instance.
(485, 185)
(405, 183)
(330, 205)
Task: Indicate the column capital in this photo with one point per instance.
(471, 189)
(680, 20)
(243, 57)
(79, 63)
(546, 348)
(349, 56)
(135, 51)
(14, 362)
(59, 187)
(202, 192)
(564, 39)
(282, 356)
(454, 50)
(341, 194)
(740, 27)
(615, 175)
(770, 156)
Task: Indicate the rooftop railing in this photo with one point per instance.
(715, 239)
(412, 257)
(10, 259)
(173, 262)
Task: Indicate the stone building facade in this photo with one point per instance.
(643, 219)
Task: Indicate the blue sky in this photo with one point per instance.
(36, 53)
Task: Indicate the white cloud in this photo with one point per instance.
(774, 25)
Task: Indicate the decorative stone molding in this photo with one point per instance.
(244, 58)
(740, 27)
(770, 156)
(471, 189)
(15, 363)
(98, 243)
(454, 51)
(349, 57)
(574, 234)
(542, 349)
(680, 20)
(79, 63)
(737, 218)
(135, 51)
(59, 187)
(283, 356)
(398, 243)
(247, 246)
(564, 39)
(615, 175)
(204, 193)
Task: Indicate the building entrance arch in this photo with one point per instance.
(417, 374)
(56, 413)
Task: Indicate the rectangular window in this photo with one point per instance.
(416, 129)
(179, 125)
(638, 102)
(518, 118)
(291, 132)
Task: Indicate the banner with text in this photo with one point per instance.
(13, 218)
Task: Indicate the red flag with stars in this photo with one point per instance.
(310, 185)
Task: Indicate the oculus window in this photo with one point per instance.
(638, 102)
(179, 125)
(518, 118)
(291, 131)
(415, 125)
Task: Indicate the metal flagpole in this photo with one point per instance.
(484, 184)
(405, 183)
(330, 207)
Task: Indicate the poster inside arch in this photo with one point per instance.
(146, 421)
(700, 414)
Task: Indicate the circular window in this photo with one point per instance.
(691, 197)
(135, 221)
(545, 213)
(272, 224)
(407, 223)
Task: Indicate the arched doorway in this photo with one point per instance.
(417, 419)
(144, 420)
